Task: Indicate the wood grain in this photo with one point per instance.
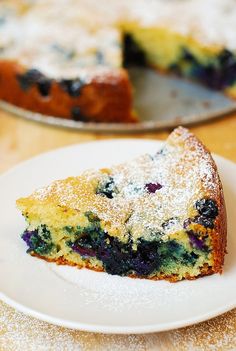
(20, 140)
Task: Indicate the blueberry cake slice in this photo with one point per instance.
(160, 216)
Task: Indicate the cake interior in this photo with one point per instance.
(153, 47)
(181, 249)
(186, 255)
(214, 67)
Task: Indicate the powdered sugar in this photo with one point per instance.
(19, 332)
(215, 334)
(183, 168)
(211, 22)
(121, 294)
(31, 33)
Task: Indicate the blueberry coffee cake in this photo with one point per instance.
(160, 216)
(68, 58)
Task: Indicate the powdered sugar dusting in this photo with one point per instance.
(215, 334)
(33, 32)
(121, 294)
(184, 169)
(211, 22)
(19, 332)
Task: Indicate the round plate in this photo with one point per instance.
(94, 301)
(161, 102)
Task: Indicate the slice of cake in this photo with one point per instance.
(159, 216)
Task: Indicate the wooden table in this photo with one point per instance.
(21, 139)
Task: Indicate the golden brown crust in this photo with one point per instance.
(219, 233)
(173, 278)
(101, 100)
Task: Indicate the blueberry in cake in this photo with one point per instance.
(82, 75)
(160, 216)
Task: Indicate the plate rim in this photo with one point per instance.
(102, 127)
(106, 328)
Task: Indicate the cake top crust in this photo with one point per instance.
(151, 195)
(210, 22)
(33, 32)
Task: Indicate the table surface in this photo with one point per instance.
(20, 140)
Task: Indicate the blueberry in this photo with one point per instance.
(217, 73)
(29, 78)
(32, 77)
(119, 258)
(143, 266)
(189, 258)
(133, 54)
(188, 56)
(26, 236)
(204, 221)
(83, 251)
(115, 256)
(77, 115)
(195, 241)
(38, 240)
(146, 259)
(153, 187)
(226, 58)
(44, 86)
(173, 247)
(207, 208)
(115, 266)
(108, 189)
(40, 246)
(72, 86)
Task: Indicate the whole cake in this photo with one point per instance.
(67, 58)
(160, 216)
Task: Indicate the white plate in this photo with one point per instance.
(95, 301)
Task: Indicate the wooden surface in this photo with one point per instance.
(20, 140)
